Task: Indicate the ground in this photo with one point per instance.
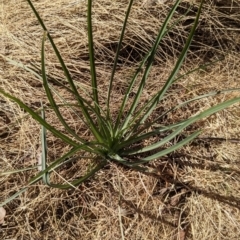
(193, 193)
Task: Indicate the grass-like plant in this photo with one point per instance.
(115, 139)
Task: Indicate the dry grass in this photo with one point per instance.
(195, 192)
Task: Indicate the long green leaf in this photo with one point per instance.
(88, 118)
(106, 126)
(168, 150)
(178, 65)
(44, 150)
(185, 124)
(91, 56)
(13, 196)
(141, 110)
(140, 68)
(39, 176)
(50, 96)
(117, 55)
(155, 100)
(9, 172)
(132, 138)
(76, 182)
(149, 63)
(40, 120)
(46, 175)
(128, 91)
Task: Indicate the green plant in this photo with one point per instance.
(114, 139)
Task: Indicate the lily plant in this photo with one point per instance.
(115, 138)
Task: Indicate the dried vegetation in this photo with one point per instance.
(192, 194)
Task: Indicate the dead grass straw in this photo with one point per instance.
(194, 194)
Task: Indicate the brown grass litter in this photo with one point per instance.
(193, 193)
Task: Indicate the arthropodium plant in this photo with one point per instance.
(114, 139)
